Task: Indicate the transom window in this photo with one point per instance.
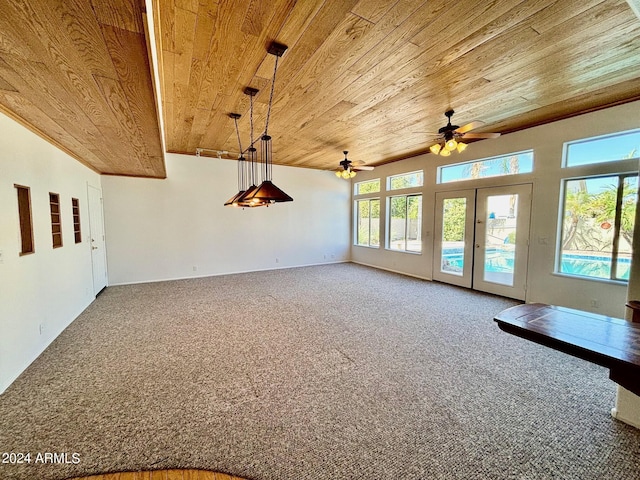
(597, 226)
(370, 186)
(510, 164)
(405, 180)
(404, 223)
(609, 148)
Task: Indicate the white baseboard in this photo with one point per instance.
(393, 271)
(235, 272)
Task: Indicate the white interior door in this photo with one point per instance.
(482, 239)
(453, 249)
(97, 240)
(502, 240)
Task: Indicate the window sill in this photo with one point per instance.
(403, 251)
(608, 281)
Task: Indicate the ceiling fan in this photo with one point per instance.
(348, 168)
(450, 136)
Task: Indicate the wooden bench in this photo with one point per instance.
(610, 342)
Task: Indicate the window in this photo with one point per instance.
(370, 186)
(405, 223)
(368, 222)
(26, 221)
(511, 164)
(75, 206)
(610, 148)
(406, 180)
(597, 226)
(56, 226)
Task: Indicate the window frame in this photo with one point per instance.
(388, 241)
(373, 192)
(621, 176)
(597, 138)
(440, 168)
(356, 222)
(406, 174)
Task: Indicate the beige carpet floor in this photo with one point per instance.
(328, 372)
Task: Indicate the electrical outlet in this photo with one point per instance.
(195, 268)
(595, 303)
(1, 257)
(277, 260)
(41, 328)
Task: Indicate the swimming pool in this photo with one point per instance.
(502, 260)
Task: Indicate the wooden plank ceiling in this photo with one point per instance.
(77, 73)
(375, 76)
(370, 76)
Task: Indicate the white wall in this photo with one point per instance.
(163, 229)
(48, 288)
(547, 142)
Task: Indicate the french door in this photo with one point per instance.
(482, 239)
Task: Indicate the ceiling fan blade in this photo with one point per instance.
(481, 135)
(469, 126)
(364, 167)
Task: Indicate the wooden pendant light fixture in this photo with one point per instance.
(267, 192)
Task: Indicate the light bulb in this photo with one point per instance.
(444, 152)
(352, 174)
(435, 148)
(461, 147)
(338, 173)
(451, 144)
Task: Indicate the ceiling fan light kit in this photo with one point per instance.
(450, 137)
(267, 192)
(348, 168)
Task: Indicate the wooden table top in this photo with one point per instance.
(607, 341)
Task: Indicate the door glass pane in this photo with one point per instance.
(500, 238)
(454, 213)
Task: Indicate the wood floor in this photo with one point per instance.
(162, 475)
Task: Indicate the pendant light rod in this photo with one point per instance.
(235, 117)
(252, 92)
(233, 201)
(276, 49)
(241, 159)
